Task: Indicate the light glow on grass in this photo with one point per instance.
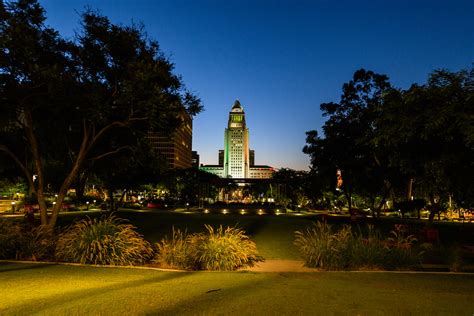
(84, 290)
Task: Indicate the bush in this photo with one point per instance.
(222, 249)
(218, 249)
(321, 247)
(103, 241)
(174, 252)
(10, 245)
(19, 241)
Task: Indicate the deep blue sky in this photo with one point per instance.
(281, 59)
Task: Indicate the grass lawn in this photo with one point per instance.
(274, 235)
(58, 290)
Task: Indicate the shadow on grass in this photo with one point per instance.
(52, 301)
(211, 298)
(14, 266)
(256, 226)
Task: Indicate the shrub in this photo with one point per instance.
(174, 252)
(320, 247)
(38, 244)
(107, 240)
(23, 242)
(367, 252)
(10, 245)
(222, 249)
(323, 248)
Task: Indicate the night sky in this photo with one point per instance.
(281, 59)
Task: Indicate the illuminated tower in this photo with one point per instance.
(236, 160)
(236, 144)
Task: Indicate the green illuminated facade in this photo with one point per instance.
(236, 144)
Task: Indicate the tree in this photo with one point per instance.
(429, 134)
(298, 187)
(63, 101)
(346, 146)
(190, 185)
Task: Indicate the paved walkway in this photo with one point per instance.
(280, 266)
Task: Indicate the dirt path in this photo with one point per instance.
(280, 266)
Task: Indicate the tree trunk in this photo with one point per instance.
(434, 208)
(349, 199)
(388, 188)
(81, 156)
(410, 189)
(35, 151)
(80, 185)
(68, 182)
(122, 198)
(111, 197)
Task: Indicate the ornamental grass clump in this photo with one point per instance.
(222, 249)
(216, 249)
(10, 239)
(321, 247)
(367, 252)
(174, 252)
(107, 241)
(19, 241)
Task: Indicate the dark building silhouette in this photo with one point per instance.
(195, 159)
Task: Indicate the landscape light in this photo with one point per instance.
(206, 211)
(224, 211)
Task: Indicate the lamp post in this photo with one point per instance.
(13, 206)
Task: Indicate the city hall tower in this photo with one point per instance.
(236, 160)
(236, 144)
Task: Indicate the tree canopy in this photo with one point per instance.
(404, 143)
(67, 103)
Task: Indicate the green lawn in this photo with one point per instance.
(71, 290)
(274, 235)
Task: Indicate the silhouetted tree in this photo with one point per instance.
(346, 145)
(429, 134)
(61, 100)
